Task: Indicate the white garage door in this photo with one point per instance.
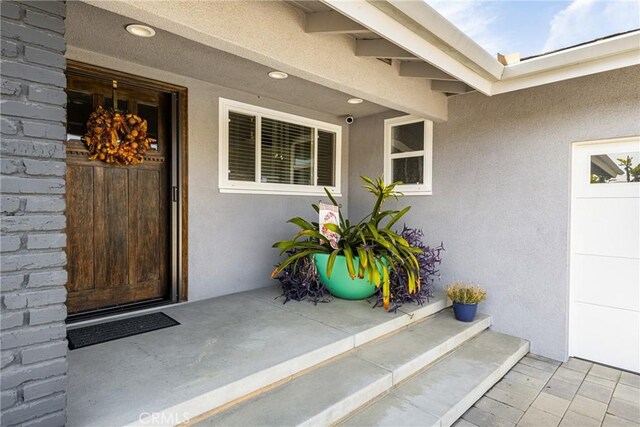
(604, 323)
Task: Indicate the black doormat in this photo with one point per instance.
(108, 331)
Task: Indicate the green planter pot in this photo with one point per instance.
(340, 284)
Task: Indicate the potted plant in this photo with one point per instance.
(364, 255)
(303, 282)
(465, 300)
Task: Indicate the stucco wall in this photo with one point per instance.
(501, 180)
(230, 235)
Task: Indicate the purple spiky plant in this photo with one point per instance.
(429, 261)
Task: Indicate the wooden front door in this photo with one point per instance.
(118, 217)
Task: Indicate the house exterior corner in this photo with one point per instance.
(234, 152)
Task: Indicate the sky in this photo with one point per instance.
(535, 27)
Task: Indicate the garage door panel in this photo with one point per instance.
(605, 253)
(607, 335)
(607, 281)
(607, 227)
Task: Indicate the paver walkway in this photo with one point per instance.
(542, 392)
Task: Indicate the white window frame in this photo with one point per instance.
(424, 189)
(229, 186)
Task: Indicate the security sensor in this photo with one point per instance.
(349, 119)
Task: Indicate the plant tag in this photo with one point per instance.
(329, 215)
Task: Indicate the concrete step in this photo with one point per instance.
(305, 336)
(440, 395)
(333, 390)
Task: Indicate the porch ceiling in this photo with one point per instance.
(272, 33)
(330, 17)
(101, 31)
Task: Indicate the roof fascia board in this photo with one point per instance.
(575, 56)
(442, 28)
(599, 56)
(380, 23)
(625, 59)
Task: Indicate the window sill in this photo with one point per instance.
(416, 193)
(414, 189)
(319, 193)
(408, 191)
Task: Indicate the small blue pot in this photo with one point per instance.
(465, 312)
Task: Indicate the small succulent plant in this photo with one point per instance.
(466, 293)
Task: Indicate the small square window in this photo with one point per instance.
(407, 154)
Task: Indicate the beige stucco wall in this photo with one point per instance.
(501, 192)
(230, 235)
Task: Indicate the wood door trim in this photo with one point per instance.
(183, 107)
(93, 71)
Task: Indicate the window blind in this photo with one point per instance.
(326, 158)
(242, 147)
(286, 153)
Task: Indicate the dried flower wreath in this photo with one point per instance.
(116, 137)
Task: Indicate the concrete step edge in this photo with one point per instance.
(426, 360)
(465, 404)
(455, 411)
(280, 374)
(341, 410)
(352, 402)
(401, 322)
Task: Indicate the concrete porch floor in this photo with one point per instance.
(220, 344)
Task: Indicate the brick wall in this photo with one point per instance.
(33, 276)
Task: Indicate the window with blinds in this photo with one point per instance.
(267, 151)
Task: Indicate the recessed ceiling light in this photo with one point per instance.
(278, 75)
(355, 101)
(140, 30)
